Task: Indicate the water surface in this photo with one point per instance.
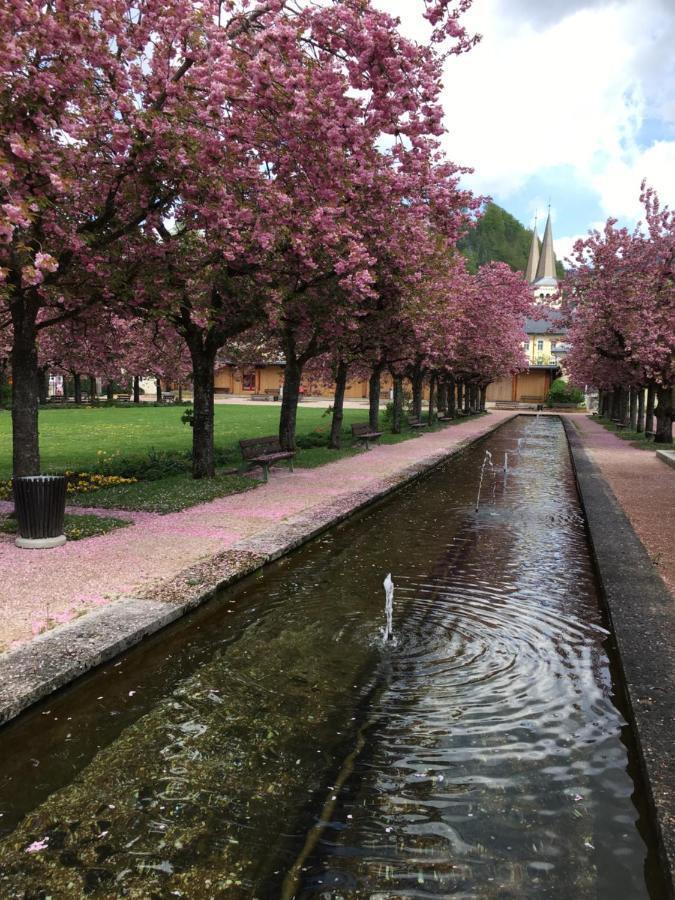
(273, 746)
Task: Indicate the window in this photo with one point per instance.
(540, 346)
(248, 380)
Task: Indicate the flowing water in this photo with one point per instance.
(274, 746)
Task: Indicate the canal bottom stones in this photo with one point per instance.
(275, 747)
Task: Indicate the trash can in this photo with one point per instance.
(40, 504)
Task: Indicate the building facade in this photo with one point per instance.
(546, 336)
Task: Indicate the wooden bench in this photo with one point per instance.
(361, 431)
(123, 398)
(273, 393)
(264, 452)
(416, 424)
(650, 434)
(618, 424)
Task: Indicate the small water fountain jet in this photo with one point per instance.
(487, 460)
(388, 632)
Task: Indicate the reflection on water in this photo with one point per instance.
(276, 748)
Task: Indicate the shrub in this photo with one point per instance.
(563, 392)
(154, 465)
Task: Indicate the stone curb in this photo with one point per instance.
(667, 456)
(54, 659)
(642, 615)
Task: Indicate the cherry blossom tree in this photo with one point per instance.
(116, 112)
(621, 304)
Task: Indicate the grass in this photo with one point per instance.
(636, 438)
(71, 438)
(76, 439)
(76, 527)
(165, 495)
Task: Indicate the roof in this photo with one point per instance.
(551, 324)
(533, 259)
(546, 264)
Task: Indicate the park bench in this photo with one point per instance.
(259, 397)
(416, 424)
(273, 393)
(123, 398)
(650, 434)
(443, 416)
(618, 424)
(361, 431)
(264, 452)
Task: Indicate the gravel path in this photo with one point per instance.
(45, 588)
(644, 487)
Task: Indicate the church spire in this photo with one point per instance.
(546, 264)
(533, 261)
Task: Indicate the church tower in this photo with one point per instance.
(533, 261)
(541, 266)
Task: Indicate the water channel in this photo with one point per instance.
(273, 746)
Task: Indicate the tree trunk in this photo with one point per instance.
(417, 381)
(398, 405)
(468, 392)
(289, 400)
(624, 405)
(110, 394)
(649, 412)
(77, 387)
(633, 411)
(25, 437)
(442, 395)
(452, 408)
(43, 385)
(460, 395)
(433, 379)
(338, 405)
(203, 365)
(483, 398)
(137, 389)
(374, 398)
(640, 427)
(93, 398)
(158, 389)
(180, 391)
(615, 410)
(664, 414)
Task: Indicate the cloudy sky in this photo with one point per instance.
(572, 100)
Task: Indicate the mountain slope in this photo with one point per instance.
(499, 236)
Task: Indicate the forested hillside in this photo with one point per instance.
(499, 236)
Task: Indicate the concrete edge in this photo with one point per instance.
(667, 456)
(60, 656)
(642, 615)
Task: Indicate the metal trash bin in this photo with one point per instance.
(40, 504)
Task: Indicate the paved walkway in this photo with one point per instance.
(643, 485)
(44, 588)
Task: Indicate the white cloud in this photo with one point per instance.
(563, 83)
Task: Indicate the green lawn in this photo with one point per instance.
(71, 438)
(165, 495)
(637, 439)
(74, 439)
(76, 527)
